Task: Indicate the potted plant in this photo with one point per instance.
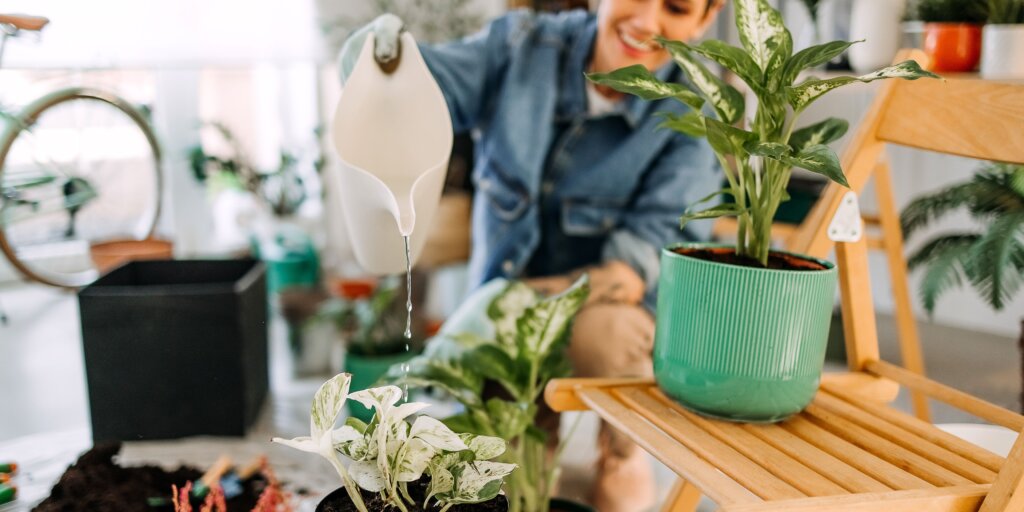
(1002, 40)
(992, 260)
(740, 332)
(398, 465)
(952, 32)
(519, 347)
(372, 324)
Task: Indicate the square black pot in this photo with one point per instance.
(175, 348)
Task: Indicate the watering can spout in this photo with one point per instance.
(393, 134)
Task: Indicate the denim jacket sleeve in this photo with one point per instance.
(684, 173)
(470, 70)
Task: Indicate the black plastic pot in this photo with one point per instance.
(566, 505)
(339, 497)
(175, 348)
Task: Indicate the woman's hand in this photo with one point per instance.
(387, 31)
(610, 282)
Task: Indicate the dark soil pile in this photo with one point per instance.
(776, 260)
(338, 501)
(96, 483)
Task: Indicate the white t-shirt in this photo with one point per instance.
(597, 103)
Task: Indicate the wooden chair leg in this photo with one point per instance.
(683, 497)
(906, 324)
(1007, 492)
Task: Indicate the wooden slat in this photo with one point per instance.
(869, 463)
(884, 449)
(1007, 492)
(945, 499)
(968, 117)
(859, 328)
(956, 398)
(561, 396)
(863, 385)
(683, 497)
(716, 485)
(924, 430)
(813, 457)
(767, 456)
(720, 455)
(897, 435)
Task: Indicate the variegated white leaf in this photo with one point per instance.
(436, 434)
(802, 95)
(546, 323)
(367, 475)
(486, 447)
(415, 457)
(478, 481)
(726, 100)
(327, 404)
(380, 398)
(507, 307)
(299, 443)
(441, 482)
(405, 410)
(763, 34)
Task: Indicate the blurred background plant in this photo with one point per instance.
(427, 20)
(949, 11)
(372, 320)
(1006, 11)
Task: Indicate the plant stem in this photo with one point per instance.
(350, 486)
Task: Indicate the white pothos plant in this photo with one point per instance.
(527, 350)
(388, 453)
(756, 153)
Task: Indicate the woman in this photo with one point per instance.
(575, 178)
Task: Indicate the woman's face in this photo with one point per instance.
(626, 30)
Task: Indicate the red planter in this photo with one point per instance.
(953, 47)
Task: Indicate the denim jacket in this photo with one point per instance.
(558, 189)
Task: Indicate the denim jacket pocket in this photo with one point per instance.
(590, 217)
(508, 198)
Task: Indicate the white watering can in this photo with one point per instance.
(393, 132)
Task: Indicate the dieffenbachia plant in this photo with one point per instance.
(389, 453)
(757, 160)
(527, 350)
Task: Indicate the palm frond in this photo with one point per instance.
(945, 259)
(994, 268)
(926, 209)
(994, 192)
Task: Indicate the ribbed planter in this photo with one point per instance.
(741, 343)
(366, 371)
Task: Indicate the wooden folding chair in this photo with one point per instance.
(811, 239)
(848, 451)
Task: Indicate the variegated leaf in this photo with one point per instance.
(722, 210)
(367, 475)
(802, 95)
(441, 482)
(416, 454)
(825, 132)
(436, 434)
(812, 57)
(765, 37)
(304, 444)
(726, 139)
(380, 398)
(819, 159)
(546, 323)
(774, 150)
(480, 481)
(724, 98)
(327, 405)
(732, 58)
(637, 80)
(486, 447)
(690, 123)
(505, 310)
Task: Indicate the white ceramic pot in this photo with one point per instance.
(877, 22)
(1002, 51)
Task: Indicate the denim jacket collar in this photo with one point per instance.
(572, 102)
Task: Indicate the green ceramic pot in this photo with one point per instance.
(366, 371)
(741, 343)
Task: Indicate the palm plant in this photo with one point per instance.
(1006, 11)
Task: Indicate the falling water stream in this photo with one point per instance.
(408, 313)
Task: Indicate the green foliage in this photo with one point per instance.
(812, 8)
(371, 326)
(528, 350)
(757, 160)
(1006, 11)
(991, 261)
(950, 11)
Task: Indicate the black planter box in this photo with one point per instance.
(175, 348)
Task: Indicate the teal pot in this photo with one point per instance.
(366, 371)
(741, 343)
(565, 505)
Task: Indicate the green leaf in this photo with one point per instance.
(825, 132)
(327, 405)
(462, 423)
(505, 310)
(493, 363)
(732, 58)
(775, 150)
(944, 259)
(822, 160)
(509, 419)
(637, 80)
(727, 139)
(802, 95)
(813, 56)
(722, 210)
(726, 100)
(765, 37)
(691, 123)
(544, 326)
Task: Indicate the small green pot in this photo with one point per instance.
(366, 371)
(741, 343)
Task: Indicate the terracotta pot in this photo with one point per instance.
(953, 47)
(107, 255)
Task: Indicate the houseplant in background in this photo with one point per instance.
(1002, 40)
(398, 466)
(371, 322)
(952, 32)
(497, 369)
(990, 260)
(740, 333)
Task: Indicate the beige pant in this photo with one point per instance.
(612, 340)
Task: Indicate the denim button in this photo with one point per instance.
(508, 266)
